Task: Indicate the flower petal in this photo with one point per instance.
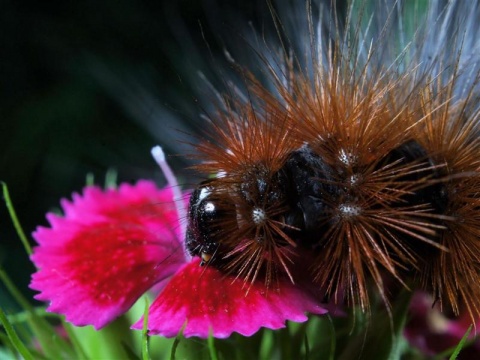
(210, 302)
(109, 249)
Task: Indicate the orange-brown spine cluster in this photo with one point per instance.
(353, 111)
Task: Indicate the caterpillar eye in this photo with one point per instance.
(208, 213)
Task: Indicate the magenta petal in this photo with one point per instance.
(109, 249)
(211, 303)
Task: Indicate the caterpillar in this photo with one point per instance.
(356, 162)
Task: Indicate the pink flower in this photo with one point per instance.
(429, 330)
(112, 246)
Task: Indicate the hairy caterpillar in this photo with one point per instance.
(358, 160)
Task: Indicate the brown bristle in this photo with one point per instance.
(399, 151)
(244, 136)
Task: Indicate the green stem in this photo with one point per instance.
(211, 348)
(15, 221)
(145, 355)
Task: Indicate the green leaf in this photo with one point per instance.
(108, 343)
(24, 316)
(174, 347)
(8, 347)
(14, 339)
(211, 347)
(333, 337)
(461, 344)
(77, 347)
(381, 335)
(307, 348)
(49, 339)
(266, 345)
(130, 353)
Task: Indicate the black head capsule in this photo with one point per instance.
(204, 218)
(224, 215)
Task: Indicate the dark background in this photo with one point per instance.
(92, 85)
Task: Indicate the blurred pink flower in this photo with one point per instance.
(429, 330)
(112, 246)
